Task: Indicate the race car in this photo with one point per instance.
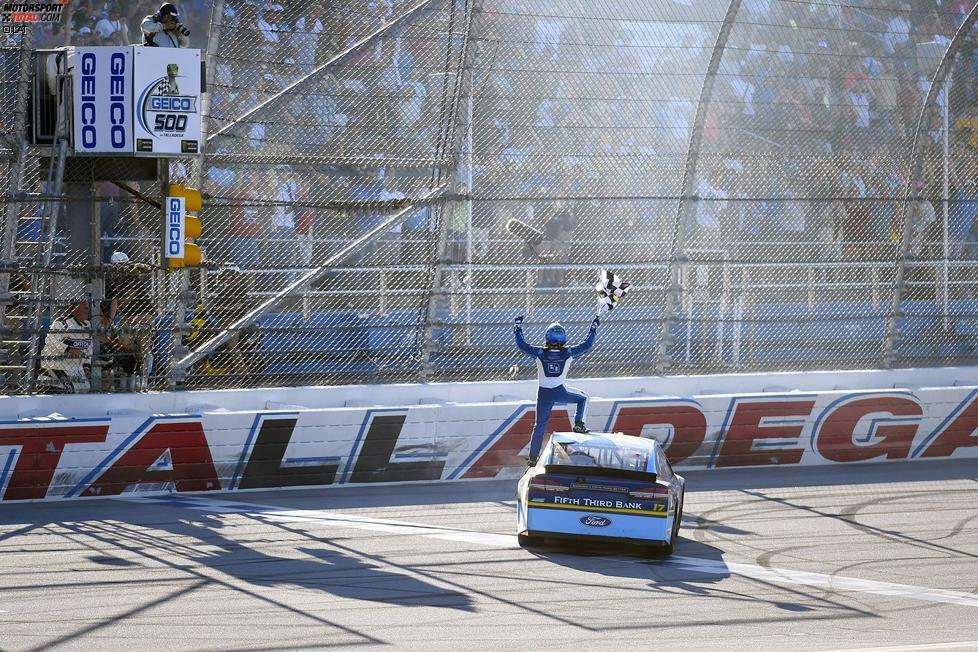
(601, 486)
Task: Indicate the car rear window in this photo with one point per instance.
(627, 458)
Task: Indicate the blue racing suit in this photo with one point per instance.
(552, 367)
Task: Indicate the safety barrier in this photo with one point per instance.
(66, 447)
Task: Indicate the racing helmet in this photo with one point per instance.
(556, 335)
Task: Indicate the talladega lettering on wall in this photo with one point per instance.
(69, 458)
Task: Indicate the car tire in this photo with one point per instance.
(674, 535)
(526, 540)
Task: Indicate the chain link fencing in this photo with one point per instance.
(390, 182)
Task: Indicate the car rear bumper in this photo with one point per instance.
(548, 522)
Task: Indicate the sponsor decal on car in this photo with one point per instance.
(636, 508)
(592, 520)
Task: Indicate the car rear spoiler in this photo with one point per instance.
(601, 472)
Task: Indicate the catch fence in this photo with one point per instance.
(786, 185)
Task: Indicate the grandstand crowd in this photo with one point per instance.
(815, 101)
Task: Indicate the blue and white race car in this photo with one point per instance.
(601, 486)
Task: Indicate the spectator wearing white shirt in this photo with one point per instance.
(409, 109)
(897, 30)
(710, 209)
(113, 30)
(283, 247)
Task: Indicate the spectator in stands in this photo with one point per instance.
(856, 105)
(81, 16)
(282, 250)
(380, 11)
(323, 112)
(112, 30)
(84, 36)
(410, 103)
(221, 176)
(711, 207)
(118, 353)
(558, 236)
(257, 134)
(897, 32)
(66, 359)
(115, 280)
(134, 18)
(304, 41)
(164, 29)
(269, 30)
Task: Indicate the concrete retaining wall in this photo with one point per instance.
(81, 446)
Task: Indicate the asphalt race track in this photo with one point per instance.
(880, 556)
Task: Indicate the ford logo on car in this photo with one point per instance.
(595, 521)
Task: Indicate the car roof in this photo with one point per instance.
(605, 440)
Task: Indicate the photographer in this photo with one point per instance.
(164, 29)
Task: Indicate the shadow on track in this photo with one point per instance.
(195, 543)
(697, 569)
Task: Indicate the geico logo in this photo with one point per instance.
(163, 103)
(117, 100)
(89, 133)
(174, 227)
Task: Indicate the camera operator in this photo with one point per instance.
(164, 29)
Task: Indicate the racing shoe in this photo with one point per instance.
(580, 427)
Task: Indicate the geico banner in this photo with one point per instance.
(70, 458)
(175, 235)
(166, 85)
(102, 116)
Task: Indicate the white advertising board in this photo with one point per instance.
(166, 90)
(102, 115)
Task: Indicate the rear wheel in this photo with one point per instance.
(526, 540)
(675, 527)
(674, 534)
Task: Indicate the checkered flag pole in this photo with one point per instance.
(610, 289)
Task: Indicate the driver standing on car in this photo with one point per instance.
(553, 362)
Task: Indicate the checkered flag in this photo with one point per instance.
(610, 291)
(164, 87)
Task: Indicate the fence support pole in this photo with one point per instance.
(18, 147)
(449, 120)
(678, 259)
(914, 165)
